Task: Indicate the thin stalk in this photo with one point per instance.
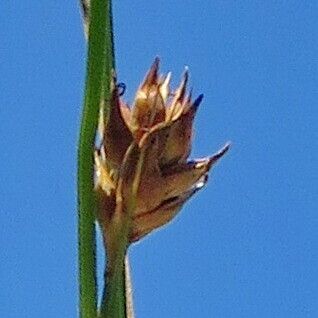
(117, 296)
(114, 295)
(99, 64)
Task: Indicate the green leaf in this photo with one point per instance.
(99, 65)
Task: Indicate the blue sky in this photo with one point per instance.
(246, 245)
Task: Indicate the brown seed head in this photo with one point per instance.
(143, 158)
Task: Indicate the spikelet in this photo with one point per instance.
(143, 158)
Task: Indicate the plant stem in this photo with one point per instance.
(99, 65)
(117, 296)
(114, 296)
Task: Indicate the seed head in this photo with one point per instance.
(142, 166)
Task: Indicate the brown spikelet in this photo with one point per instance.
(142, 166)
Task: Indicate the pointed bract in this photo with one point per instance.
(149, 108)
(178, 145)
(117, 136)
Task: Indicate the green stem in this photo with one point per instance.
(117, 300)
(114, 296)
(99, 65)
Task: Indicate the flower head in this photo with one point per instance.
(142, 166)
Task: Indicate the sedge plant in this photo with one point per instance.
(138, 175)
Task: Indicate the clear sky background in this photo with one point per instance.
(245, 246)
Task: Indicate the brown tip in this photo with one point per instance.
(214, 158)
(183, 85)
(152, 75)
